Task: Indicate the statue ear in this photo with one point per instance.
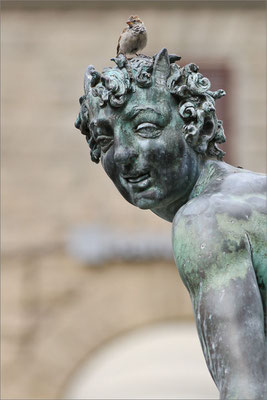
(207, 133)
(88, 78)
(161, 69)
(199, 132)
(91, 78)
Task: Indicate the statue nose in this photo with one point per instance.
(125, 153)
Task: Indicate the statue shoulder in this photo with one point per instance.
(194, 223)
(195, 238)
(244, 182)
(203, 224)
(209, 245)
(231, 206)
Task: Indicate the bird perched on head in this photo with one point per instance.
(133, 38)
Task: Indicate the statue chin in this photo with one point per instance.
(143, 200)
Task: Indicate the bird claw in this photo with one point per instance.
(120, 60)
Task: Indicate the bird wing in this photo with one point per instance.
(118, 46)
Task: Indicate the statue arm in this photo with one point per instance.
(220, 277)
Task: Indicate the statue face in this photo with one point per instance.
(144, 151)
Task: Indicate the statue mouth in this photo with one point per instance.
(137, 178)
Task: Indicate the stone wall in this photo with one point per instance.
(55, 309)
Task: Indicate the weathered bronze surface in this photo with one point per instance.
(153, 126)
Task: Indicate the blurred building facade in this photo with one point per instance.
(56, 309)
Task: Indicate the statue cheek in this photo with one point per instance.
(107, 161)
(177, 153)
(110, 167)
(166, 150)
(176, 149)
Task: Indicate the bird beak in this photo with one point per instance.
(129, 23)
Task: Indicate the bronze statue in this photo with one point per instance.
(153, 125)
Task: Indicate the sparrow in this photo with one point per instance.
(132, 38)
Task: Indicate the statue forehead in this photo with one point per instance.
(154, 99)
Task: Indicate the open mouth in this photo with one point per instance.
(137, 179)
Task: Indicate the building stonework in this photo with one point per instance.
(60, 311)
(57, 310)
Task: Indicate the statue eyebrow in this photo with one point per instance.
(136, 110)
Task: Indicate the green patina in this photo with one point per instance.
(255, 228)
(222, 256)
(165, 158)
(201, 185)
(232, 270)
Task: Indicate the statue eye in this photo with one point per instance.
(105, 142)
(148, 130)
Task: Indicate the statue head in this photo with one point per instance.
(150, 121)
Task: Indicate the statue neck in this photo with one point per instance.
(168, 213)
(205, 172)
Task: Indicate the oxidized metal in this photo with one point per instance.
(154, 127)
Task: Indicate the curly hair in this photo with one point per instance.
(196, 102)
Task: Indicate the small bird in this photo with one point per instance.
(132, 38)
